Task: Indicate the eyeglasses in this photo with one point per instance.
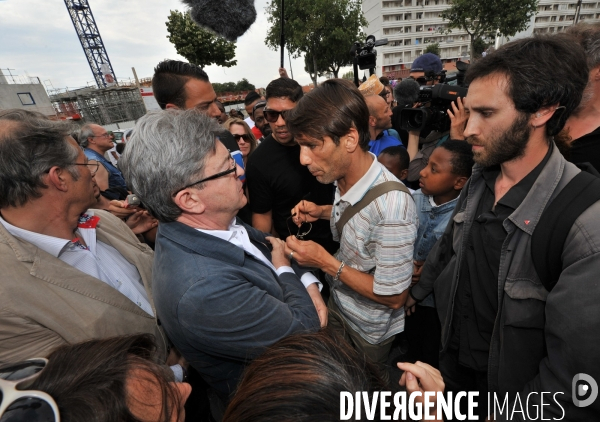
(301, 231)
(214, 176)
(104, 135)
(92, 167)
(19, 404)
(245, 137)
(273, 115)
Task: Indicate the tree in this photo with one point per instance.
(198, 45)
(244, 85)
(348, 75)
(433, 48)
(323, 30)
(490, 17)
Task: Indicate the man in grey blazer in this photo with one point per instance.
(224, 291)
(67, 274)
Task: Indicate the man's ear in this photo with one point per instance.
(459, 183)
(372, 121)
(404, 174)
(541, 117)
(350, 140)
(189, 201)
(171, 105)
(58, 178)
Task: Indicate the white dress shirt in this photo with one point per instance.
(98, 259)
(237, 235)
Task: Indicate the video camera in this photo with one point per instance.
(365, 57)
(437, 99)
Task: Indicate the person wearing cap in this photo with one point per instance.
(426, 70)
(380, 116)
(259, 120)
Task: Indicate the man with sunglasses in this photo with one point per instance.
(223, 290)
(69, 274)
(276, 179)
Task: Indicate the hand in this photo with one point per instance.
(141, 221)
(421, 377)
(175, 358)
(410, 306)
(283, 73)
(418, 267)
(279, 258)
(119, 208)
(458, 119)
(306, 212)
(306, 252)
(315, 295)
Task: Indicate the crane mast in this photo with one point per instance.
(91, 42)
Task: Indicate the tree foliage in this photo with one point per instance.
(490, 17)
(242, 85)
(323, 30)
(348, 75)
(198, 45)
(433, 48)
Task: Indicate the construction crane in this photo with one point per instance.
(91, 41)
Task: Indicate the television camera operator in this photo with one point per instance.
(437, 112)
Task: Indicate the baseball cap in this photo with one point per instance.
(426, 63)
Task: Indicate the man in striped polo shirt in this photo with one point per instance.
(371, 272)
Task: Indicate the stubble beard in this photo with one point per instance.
(504, 147)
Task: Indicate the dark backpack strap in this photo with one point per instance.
(369, 197)
(551, 232)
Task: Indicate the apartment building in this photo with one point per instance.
(411, 25)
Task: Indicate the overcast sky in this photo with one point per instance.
(37, 37)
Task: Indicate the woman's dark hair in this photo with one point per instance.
(541, 71)
(88, 380)
(331, 109)
(300, 378)
(170, 77)
(462, 157)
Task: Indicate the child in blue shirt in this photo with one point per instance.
(441, 182)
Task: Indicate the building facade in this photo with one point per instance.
(411, 25)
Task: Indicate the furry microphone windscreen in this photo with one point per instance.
(227, 18)
(406, 92)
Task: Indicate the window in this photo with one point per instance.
(26, 98)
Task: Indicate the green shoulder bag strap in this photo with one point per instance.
(369, 197)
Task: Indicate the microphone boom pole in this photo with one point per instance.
(282, 37)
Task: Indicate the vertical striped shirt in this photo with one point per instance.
(378, 240)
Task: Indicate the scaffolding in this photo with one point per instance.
(101, 106)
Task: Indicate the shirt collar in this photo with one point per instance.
(360, 188)
(225, 235)
(50, 244)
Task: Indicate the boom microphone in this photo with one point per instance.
(407, 92)
(227, 18)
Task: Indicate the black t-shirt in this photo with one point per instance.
(586, 149)
(277, 182)
(476, 305)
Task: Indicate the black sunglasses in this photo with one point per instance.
(301, 231)
(19, 404)
(272, 116)
(237, 137)
(214, 176)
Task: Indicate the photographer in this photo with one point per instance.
(427, 70)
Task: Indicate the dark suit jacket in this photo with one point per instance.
(220, 306)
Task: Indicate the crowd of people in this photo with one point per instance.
(253, 268)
